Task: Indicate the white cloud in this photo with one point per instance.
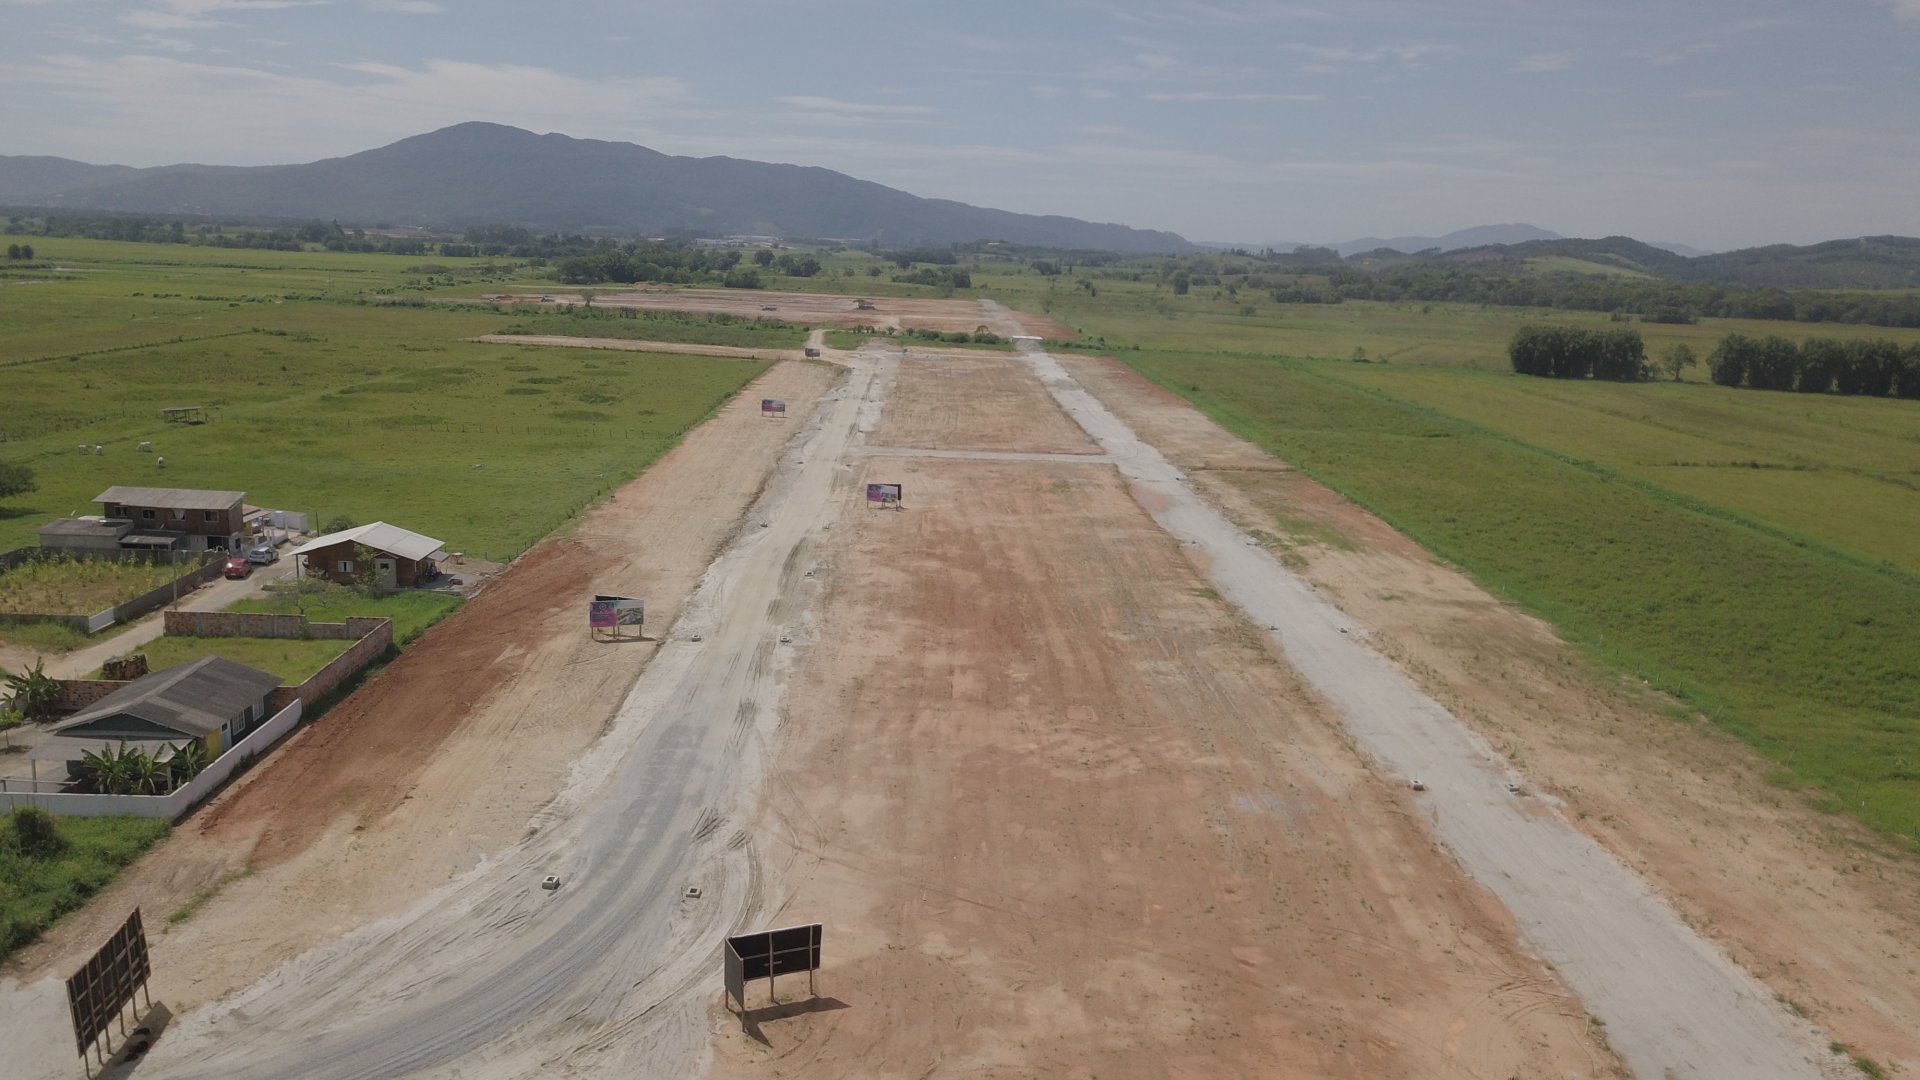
(1211, 95)
(855, 108)
(1707, 92)
(1542, 63)
(200, 14)
(1906, 9)
(405, 7)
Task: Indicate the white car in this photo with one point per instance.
(262, 555)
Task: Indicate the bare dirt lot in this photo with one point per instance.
(1821, 911)
(447, 754)
(1065, 814)
(824, 309)
(970, 400)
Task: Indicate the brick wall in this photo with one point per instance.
(362, 653)
(243, 624)
(77, 694)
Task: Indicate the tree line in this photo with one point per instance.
(1817, 366)
(1566, 352)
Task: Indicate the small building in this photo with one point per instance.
(185, 518)
(388, 555)
(212, 701)
(85, 534)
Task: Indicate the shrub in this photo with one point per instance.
(36, 833)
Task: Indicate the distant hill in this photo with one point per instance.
(1477, 236)
(1869, 262)
(480, 173)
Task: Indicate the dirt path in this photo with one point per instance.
(881, 312)
(631, 345)
(1822, 912)
(447, 754)
(974, 401)
(1063, 814)
(1674, 1004)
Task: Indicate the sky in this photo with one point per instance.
(1714, 123)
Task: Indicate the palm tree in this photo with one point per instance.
(125, 771)
(35, 693)
(187, 761)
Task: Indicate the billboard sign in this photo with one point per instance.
(883, 495)
(612, 612)
(105, 984)
(786, 951)
(772, 407)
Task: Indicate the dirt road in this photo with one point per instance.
(1826, 914)
(1673, 1003)
(1063, 814)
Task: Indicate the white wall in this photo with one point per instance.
(174, 804)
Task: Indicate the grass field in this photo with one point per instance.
(322, 402)
(641, 325)
(61, 585)
(36, 891)
(411, 612)
(292, 659)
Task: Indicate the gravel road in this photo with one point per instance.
(496, 975)
(1673, 1004)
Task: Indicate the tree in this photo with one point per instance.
(10, 719)
(16, 479)
(35, 693)
(187, 762)
(1181, 283)
(36, 833)
(337, 523)
(111, 771)
(763, 257)
(1677, 358)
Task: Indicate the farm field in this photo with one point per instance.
(319, 403)
(60, 585)
(1796, 648)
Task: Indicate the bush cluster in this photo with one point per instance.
(1565, 352)
(1817, 366)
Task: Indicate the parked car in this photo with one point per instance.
(237, 567)
(262, 555)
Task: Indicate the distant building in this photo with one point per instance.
(392, 557)
(184, 518)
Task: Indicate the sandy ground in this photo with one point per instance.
(630, 345)
(447, 754)
(816, 309)
(1823, 913)
(1065, 814)
(971, 400)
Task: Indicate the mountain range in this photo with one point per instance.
(1475, 237)
(478, 173)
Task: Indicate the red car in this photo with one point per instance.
(237, 567)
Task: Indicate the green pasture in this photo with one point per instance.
(293, 659)
(1840, 471)
(330, 406)
(1800, 648)
(411, 612)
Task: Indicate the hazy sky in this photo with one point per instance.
(1718, 123)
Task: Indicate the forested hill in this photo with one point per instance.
(1869, 262)
(484, 173)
